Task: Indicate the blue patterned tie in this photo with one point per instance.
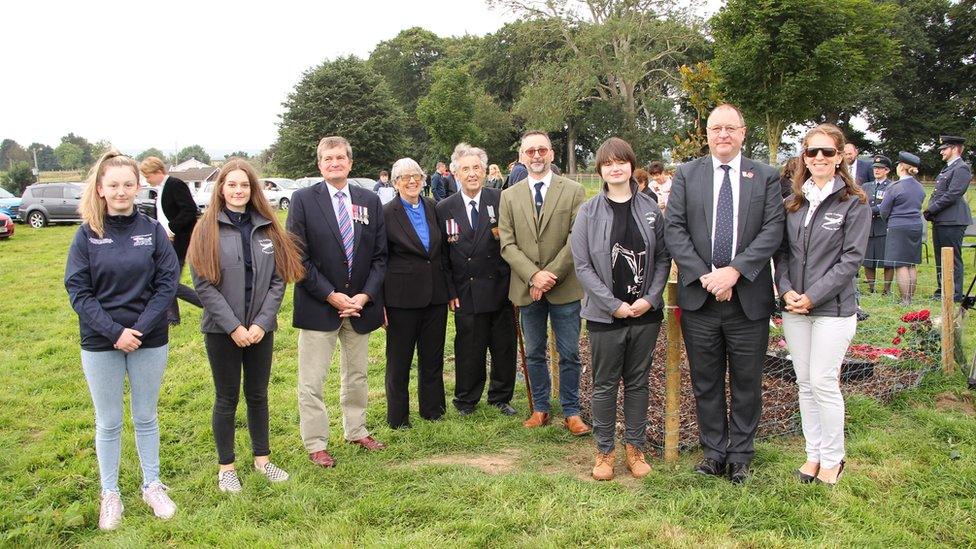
(474, 215)
(538, 197)
(722, 244)
(345, 228)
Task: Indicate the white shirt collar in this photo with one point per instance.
(953, 161)
(333, 190)
(468, 199)
(545, 180)
(735, 163)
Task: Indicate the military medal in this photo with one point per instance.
(360, 214)
(453, 230)
(491, 215)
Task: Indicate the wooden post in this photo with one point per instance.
(553, 363)
(948, 327)
(672, 372)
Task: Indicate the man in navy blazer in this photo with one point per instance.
(861, 170)
(340, 300)
(483, 316)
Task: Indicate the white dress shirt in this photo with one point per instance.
(160, 214)
(718, 176)
(815, 196)
(347, 200)
(467, 205)
(546, 181)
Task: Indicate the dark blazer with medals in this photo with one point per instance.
(480, 275)
(876, 191)
(311, 217)
(415, 278)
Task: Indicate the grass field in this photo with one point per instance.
(480, 480)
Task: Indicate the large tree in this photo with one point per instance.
(10, 153)
(18, 177)
(193, 151)
(151, 151)
(342, 97)
(83, 144)
(70, 155)
(46, 159)
(787, 62)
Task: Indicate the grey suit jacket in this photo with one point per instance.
(688, 233)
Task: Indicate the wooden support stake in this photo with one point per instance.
(948, 327)
(553, 363)
(672, 372)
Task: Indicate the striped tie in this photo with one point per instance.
(345, 228)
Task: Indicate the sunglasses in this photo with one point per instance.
(828, 152)
(541, 151)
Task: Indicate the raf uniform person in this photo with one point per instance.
(874, 256)
(948, 210)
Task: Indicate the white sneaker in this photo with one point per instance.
(110, 514)
(273, 472)
(227, 481)
(155, 496)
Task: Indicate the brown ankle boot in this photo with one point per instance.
(537, 419)
(636, 463)
(603, 469)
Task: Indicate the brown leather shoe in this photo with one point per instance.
(603, 469)
(537, 419)
(636, 463)
(576, 426)
(369, 443)
(322, 459)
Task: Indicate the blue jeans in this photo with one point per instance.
(106, 372)
(566, 325)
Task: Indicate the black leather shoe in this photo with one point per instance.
(465, 411)
(505, 408)
(803, 477)
(739, 472)
(709, 466)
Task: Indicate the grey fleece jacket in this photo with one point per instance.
(223, 303)
(590, 243)
(821, 259)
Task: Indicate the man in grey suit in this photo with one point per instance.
(948, 210)
(724, 221)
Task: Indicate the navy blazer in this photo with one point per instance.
(876, 193)
(311, 217)
(863, 171)
(415, 277)
(481, 277)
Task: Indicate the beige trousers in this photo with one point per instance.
(315, 350)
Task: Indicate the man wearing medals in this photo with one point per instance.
(483, 318)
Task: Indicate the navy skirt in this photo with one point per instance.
(903, 246)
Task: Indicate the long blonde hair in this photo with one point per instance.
(802, 173)
(92, 207)
(204, 252)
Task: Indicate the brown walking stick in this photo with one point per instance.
(525, 365)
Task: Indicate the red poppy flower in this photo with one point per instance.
(896, 341)
(901, 330)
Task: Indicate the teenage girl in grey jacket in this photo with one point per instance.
(827, 228)
(240, 259)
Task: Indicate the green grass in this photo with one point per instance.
(903, 487)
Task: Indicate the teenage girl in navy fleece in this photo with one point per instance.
(240, 258)
(121, 277)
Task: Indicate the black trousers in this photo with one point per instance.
(949, 236)
(423, 329)
(227, 361)
(476, 335)
(184, 292)
(719, 338)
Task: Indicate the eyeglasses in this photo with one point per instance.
(541, 151)
(724, 129)
(411, 177)
(828, 152)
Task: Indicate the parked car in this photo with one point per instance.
(202, 196)
(9, 204)
(278, 191)
(45, 203)
(363, 182)
(6, 226)
(146, 201)
(308, 181)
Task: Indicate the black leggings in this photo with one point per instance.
(226, 361)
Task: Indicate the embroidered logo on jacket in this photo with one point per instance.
(267, 246)
(142, 239)
(651, 217)
(832, 221)
(100, 240)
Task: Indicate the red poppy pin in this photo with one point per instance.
(747, 175)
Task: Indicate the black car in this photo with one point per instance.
(44, 203)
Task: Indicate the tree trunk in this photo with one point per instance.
(774, 135)
(571, 148)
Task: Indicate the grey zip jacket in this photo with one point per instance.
(223, 303)
(590, 243)
(822, 258)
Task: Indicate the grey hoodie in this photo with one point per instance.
(821, 259)
(590, 242)
(223, 303)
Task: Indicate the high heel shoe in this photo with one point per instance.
(840, 471)
(803, 477)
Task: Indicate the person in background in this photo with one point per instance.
(660, 183)
(240, 259)
(949, 211)
(416, 291)
(643, 183)
(786, 175)
(177, 211)
(121, 277)
(623, 272)
(874, 256)
(902, 210)
(384, 188)
(859, 168)
(495, 179)
(827, 226)
(516, 172)
(442, 183)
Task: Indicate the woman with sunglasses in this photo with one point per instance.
(241, 258)
(827, 226)
(121, 277)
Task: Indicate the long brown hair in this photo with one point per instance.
(802, 174)
(93, 207)
(204, 252)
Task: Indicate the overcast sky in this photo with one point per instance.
(171, 74)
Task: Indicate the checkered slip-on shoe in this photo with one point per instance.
(273, 472)
(227, 481)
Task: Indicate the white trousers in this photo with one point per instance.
(817, 345)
